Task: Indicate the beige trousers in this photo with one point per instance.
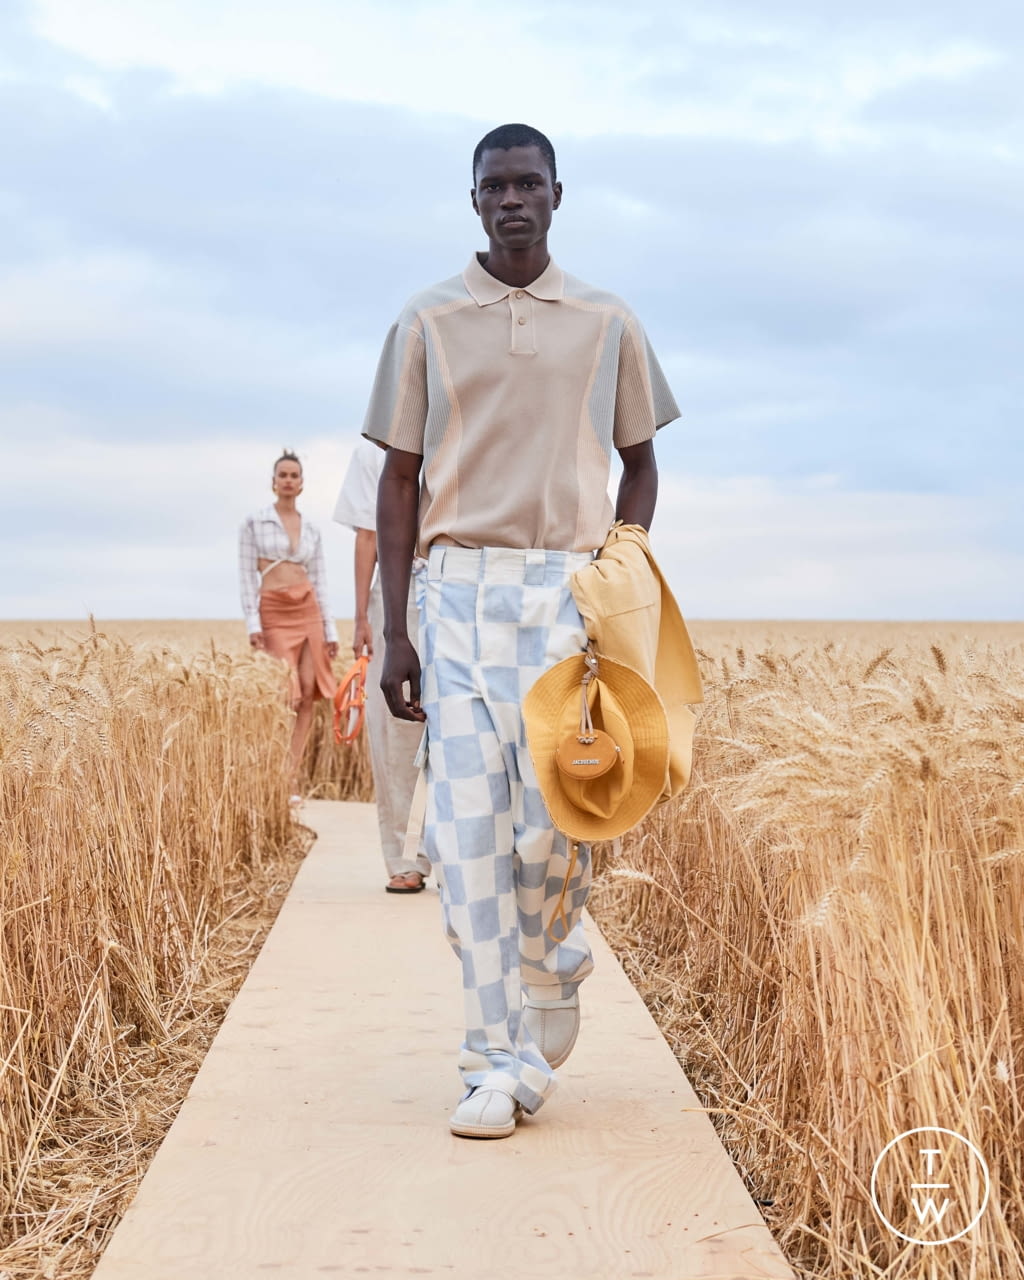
(393, 744)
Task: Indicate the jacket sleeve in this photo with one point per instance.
(249, 576)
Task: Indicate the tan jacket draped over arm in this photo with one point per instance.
(632, 617)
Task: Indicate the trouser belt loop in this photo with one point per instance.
(535, 562)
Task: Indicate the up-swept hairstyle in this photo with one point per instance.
(507, 136)
(286, 456)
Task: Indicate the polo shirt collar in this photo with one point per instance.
(484, 288)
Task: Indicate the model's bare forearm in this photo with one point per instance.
(397, 514)
(398, 496)
(638, 487)
(365, 562)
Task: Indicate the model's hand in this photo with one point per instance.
(401, 667)
(332, 649)
(362, 638)
(256, 640)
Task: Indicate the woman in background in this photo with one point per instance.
(284, 599)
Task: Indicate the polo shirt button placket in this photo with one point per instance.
(521, 309)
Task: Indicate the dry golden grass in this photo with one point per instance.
(329, 772)
(145, 845)
(829, 924)
(184, 636)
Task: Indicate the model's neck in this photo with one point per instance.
(285, 506)
(516, 266)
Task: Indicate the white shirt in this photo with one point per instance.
(356, 507)
(263, 536)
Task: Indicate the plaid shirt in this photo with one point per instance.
(263, 536)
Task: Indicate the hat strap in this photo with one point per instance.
(586, 733)
(559, 912)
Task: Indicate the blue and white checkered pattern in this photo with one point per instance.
(491, 622)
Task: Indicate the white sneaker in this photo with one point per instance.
(485, 1113)
(554, 1026)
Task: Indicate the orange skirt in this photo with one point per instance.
(290, 617)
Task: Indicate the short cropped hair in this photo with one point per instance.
(507, 136)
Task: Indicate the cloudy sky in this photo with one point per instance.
(213, 209)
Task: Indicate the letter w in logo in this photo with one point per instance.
(928, 1209)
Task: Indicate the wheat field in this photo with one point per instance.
(146, 844)
(828, 925)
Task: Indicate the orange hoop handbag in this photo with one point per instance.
(350, 701)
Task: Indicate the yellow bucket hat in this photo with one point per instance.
(598, 739)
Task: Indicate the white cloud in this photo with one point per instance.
(148, 530)
(864, 78)
(130, 306)
(214, 475)
(225, 264)
(91, 89)
(584, 76)
(758, 547)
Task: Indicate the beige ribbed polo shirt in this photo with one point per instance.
(515, 399)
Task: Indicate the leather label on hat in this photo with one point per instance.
(587, 756)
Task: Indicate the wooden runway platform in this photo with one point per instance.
(314, 1141)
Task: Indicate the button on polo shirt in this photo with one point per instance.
(515, 398)
(488, 291)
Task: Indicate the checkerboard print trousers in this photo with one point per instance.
(491, 622)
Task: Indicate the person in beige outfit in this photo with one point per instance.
(393, 743)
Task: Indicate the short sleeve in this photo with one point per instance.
(357, 502)
(397, 413)
(643, 400)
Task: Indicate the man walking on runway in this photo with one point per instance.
(499, 396)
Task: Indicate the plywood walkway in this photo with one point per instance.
(314, 1140)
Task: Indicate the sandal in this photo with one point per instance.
(406, 882)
